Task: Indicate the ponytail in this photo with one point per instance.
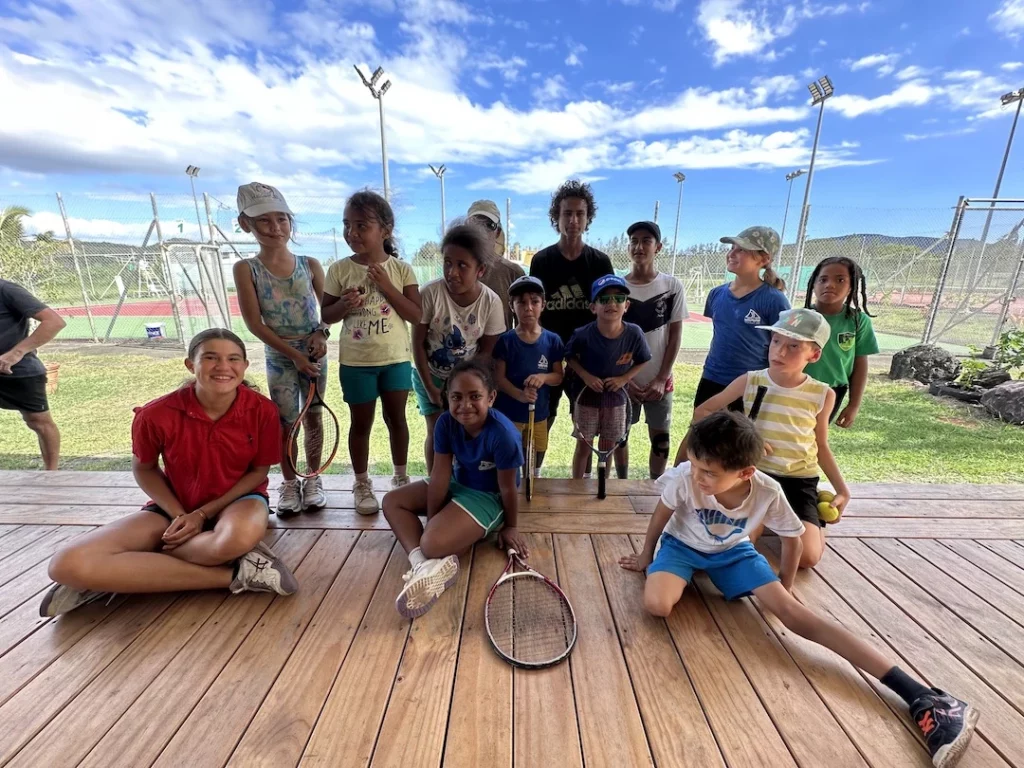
(389, 247)
(772, 278)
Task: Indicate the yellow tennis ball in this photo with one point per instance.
(826, 496)
(827, 512)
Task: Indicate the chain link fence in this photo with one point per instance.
(148, 270)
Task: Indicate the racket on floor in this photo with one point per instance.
(314, 437)
(531, 455)
(529, 620)
(602, 421)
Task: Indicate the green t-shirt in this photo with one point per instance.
(851, 337)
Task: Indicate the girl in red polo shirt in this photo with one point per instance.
(208, 512)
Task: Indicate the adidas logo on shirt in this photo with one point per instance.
(752, 318)
(542, 364)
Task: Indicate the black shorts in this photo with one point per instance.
(24, 393)
(802, 495)
(840, 391)
(554, 395)
(707, 389)
(154, 507)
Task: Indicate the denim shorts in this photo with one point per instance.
(287, 386)
(364, 383)
(736, 572)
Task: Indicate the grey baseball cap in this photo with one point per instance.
(256, 199)
(756, 239)
(802, 325)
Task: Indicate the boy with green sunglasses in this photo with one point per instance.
(604, 356)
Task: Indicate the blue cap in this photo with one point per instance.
(526, 284)
(605, 282)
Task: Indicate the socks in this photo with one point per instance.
(904, 686)
(401, 470)
(416, 557)
(362, 477)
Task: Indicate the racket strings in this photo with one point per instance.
(530, 622)
(314, 439)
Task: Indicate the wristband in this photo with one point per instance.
(203, 514)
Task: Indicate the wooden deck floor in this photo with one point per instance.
(333, 676)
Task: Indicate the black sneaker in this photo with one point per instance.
(947, 725)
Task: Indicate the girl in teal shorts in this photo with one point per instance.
(483, 450)
(375, 295)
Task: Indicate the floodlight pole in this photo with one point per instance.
(680, 177)
(790, 177)
(819, 97)
(439, 172)
(1006, 99)
(193, 171)
(508, 227)
(378, 94)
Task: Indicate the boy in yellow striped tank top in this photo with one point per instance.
(791, 411)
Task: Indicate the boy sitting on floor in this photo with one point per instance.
(707, 508)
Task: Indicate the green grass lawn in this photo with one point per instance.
(901, 434)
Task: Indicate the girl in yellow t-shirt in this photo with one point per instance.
(375, 295)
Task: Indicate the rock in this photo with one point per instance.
(1006, 402)
(991, 377)
(924, 363)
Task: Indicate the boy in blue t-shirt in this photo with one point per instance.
(528, 360)
(473, 490)
(604, 356)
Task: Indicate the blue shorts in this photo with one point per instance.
(364, 383)
(736, 572)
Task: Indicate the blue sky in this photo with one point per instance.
(107, 100)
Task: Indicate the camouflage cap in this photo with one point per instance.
(756, 239)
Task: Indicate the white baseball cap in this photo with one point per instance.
(256, 199)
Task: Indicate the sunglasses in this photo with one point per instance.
(483, 221)
(609, 298)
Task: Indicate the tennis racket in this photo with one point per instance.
(314, 437)
(755, 407)
(531, 455)
(529, 620)
(603, 417)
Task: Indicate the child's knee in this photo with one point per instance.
(431, 546)
(70, 566)
(658, 604)
(810, 559)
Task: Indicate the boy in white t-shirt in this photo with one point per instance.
(658, 305)
(707, 508)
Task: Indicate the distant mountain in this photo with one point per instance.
(849, 241)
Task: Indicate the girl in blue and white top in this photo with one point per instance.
(472, 490)
(279, 295)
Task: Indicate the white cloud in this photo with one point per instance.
(509, 68)
(911, 73)
(635, 34)
(572, 60)
(575, 49)
(908, 94)
(1011, 66)
(883, 63)
(962, 74)
(617, 89)
(736, 28)
(93, 229)
(550, 91)
(1008, 19)
(938, 134)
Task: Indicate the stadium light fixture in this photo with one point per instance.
(680, 177)
(439, 172)
(785, 217)
(192, 171)
(378, 94)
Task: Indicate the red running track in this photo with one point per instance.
(147, 308)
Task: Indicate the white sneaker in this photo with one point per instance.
(61, 599)
(366, 501)
(425, 583)
(289, 500)
(399, 480)
(313, 496)
(261, 571)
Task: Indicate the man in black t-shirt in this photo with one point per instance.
(22, 374)
(568, 268)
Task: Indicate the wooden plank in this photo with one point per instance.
(924, 528)
(27, 711)
(347, 728)
(789, 698)
(953, 491)
(282, 726)
(990, 589)
(677, 730)
(148, 724)
(876, 719)
(990, 562)
(564, 486)
(480, 717)
(212, 729)
(5, 529)
(901, 508)
(611, 730)
(543, 502)
(545, 726)
(978, 652)
(24, 587)
(745, 732)
(414, 725)
(18, 540)
(125, 479)
(39, 550)
(933, 662)
(1008, 550)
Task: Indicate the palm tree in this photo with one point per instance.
(12, 225)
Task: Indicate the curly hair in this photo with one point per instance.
(471, 237)
(572, 189)
(479, 367)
